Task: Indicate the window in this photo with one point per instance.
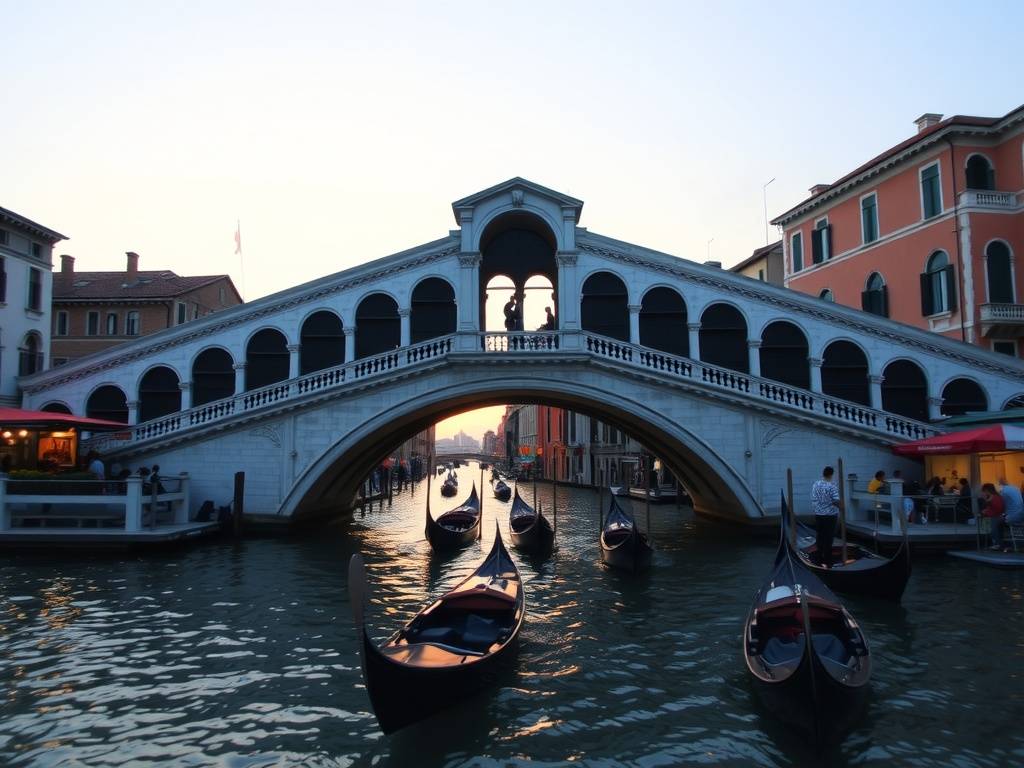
(181, 309)
(796, 245)
(869, 218)
(999, 273)
(875, 297)
(37, 250)
(35, 289)
(92, 324)
(821, 241)
(938, 288)
(60, 327)
(826, 295)
(3, 280)
(1005, 347)
(3, 237)
(131, 324)
(931, 191)
(760, 275)
(979, 173)
(111, 324)
(30, 358)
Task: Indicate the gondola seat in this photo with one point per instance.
(778, 651)
(443, 635)
(831, 647)
(480, 633)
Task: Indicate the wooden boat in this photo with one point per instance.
(619, 490)
(502, 492)
(529, 529)
(863, 573)
(456, 527)
(449, 650)
(622, 544)
(808, 657)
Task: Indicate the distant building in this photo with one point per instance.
(460, 443)
(489, 444)
(93, 311)
(26, 283)
(765, 264)
(419, 445)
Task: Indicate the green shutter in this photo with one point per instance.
(926, 294)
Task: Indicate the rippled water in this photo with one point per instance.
(244, 655)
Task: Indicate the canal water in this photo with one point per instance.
(244, 654)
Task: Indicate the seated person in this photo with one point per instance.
(963, 503)
(993, 508)
(878, 484)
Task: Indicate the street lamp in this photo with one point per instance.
(764, 194)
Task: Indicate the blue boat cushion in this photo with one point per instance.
(480, 633)
(444, 635)
(831, 647)
(779, 651)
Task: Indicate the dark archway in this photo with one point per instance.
(378, 326)
(962, 396)
(56, 408)
(723, 338)
(108, 402)
(159, 393)
(30, 355)
(844, 372)
(321, 342)
(979, 173)
(433, 310)
(663, 322)
(519, 245)
(784, 355)
(213, 376)
(905, 390)
(999, 273)
(604, 306)
(266, 359)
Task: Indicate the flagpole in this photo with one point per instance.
(240, 254)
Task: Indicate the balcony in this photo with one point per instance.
(987, 198)
(1002, 321)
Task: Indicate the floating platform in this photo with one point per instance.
(988, 557)
(933, 536)
(50, 537)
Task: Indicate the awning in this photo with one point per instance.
(16, 417)
(995, 437)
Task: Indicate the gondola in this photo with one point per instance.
(449, 488)
(449, 650)
(809, 659)
(501, 491)
(622, 543)
(863, 573)
(456, 527)
(529, 529)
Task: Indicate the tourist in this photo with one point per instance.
(549, 322)
(94, 465)
(510, 313)
(878, 484)
(826, 505)
(1013, 514)
(963, 504)
(993, 508)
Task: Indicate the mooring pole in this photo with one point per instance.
(238, 504)
(842, 507)
(554, 506)
(789, 502)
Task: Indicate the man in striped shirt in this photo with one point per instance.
(825, 503)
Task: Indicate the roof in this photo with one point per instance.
(521, 184)
(757, 255)
(39, 230)
(160, 284)
(923, 138)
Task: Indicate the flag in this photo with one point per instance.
(238, 237)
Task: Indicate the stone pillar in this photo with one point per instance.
(183, 510)
(815, 363)
(133, 503)
(754, 350)
(567, 313)
(293, 360)
(694, 330)
(934, 408)
(186, 394)
(350, 343)
(404, 315)
(895, 505)
(5, 513)
(467, 300)
(634, 323)
(239, 378)
(133, 411)
(875, 390)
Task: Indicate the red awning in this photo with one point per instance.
(16, 417)
(994, 437)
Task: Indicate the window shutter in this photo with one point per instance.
(991, 178)
(950, 288)
(827, 235)
(816, 253)
(926, 294)
(865, 300)
(883, 300)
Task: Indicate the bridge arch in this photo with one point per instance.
(724, 329)
(962, 394)
(107, 401)
(158, 392)
(57, 406)
(905, 389)
(785, 354)
(267, 360)
(663, 319)
(378, 324)
(845, 370)
(213, 374)
(433, 309)
(321, 340)
(604, 304)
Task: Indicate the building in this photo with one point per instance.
(926, 233)
(489, 445)
(93, 311)
(459, 443)
(26, 287)
(765, 264)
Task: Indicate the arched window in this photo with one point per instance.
(378, 327)
(875, 297)
(108, 402)
(30, 356)
(433, 310)
(55, 408)
(159, 393)
(962, 396)
(844, 372)
(213, 376)
(538, 296)
(979, 173)
(266, 359)
(999, 273)
(905, 390)
(784, 355)
(1017, 401)
(826, 295)
(938, 288)
(723, 338)
(605, 307)
(663, 322)
(322, 342)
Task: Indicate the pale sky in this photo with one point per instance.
(339, 133)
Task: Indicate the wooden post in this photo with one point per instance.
(429, 474)
(391, 483)
(600, 508)
(842, 505)
(535, 487)
(554, 506)
(789, 502)
(480, 530)
(647, 499)
(238, 504)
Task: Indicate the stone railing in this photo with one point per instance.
(521, 341)
(1013, 313)
(986, 198)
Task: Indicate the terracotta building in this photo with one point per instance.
(926, 233)
(93, 311)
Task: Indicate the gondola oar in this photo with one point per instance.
(480, 529)
(842, 506)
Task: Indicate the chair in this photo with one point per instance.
(1016, 535)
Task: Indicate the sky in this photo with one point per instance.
(337, 133)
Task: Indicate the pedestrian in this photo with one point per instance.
(95, 466)
(1013, 504)
(963, 503)
(826, 505)
(510, 313)
(549, 322)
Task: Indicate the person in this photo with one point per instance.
(549, 322)
(826, 505)
(878, 484)
(510, 313)
(963, 504)
(6, 463)
(993, 508)
(1013, 504)
(95, 466)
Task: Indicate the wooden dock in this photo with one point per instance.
(988, 557)
(50, 537)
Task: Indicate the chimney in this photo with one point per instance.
(713, 264)
(817, 189)
(927, 120)
(133, 266)
(67, 264)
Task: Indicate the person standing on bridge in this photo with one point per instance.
(826, 505)
(510, 313)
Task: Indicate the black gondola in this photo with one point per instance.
(863, 573)
(623, 545)
(502, 492)
(529, 529)
(809, 659)
(449, 650)
(456, 527)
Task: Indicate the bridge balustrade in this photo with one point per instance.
(521, 341)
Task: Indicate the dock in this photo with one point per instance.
(988, 557)
(104, 538)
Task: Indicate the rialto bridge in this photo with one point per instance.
(728, 379)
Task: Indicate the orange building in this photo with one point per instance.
(926, 233)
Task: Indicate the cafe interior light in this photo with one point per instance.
(23, 433)
(7, 433)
